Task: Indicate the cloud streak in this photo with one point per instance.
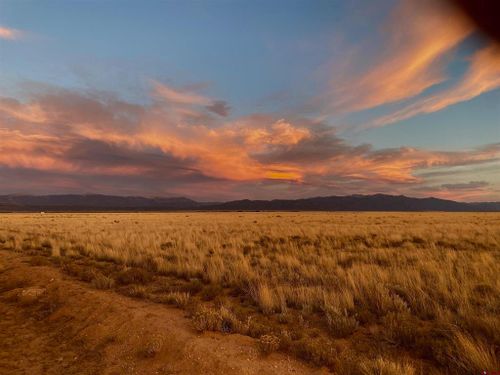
(183, 100)
(482, 76)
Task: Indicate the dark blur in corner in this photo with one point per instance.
(484, 13)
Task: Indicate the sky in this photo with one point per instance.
(262, 99)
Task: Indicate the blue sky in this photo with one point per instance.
(309, 95)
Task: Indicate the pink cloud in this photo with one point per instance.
(30, 113)
(9, 33)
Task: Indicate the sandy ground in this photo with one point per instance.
(52, 324)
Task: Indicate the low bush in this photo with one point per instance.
(134, 276)
(179, 299)
(340, 323)
(383, 366)
(101, 281)
(269, 344)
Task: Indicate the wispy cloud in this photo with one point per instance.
(9, 33)
(471, 185)
(182, 99)
(482, 76)
(415, 40)
(171, 95)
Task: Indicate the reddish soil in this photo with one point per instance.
(52, 324)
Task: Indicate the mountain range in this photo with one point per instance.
(96, 202)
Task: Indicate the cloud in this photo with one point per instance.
(471, 185)
(175, 96)
(9, 33)
(399, 165)
(219, 107)
(483, 75)
(416, 38)
(187, 101)
(30, 113)
(318, 145)
(465, 191)
(95, 142)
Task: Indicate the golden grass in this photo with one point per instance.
(395, 291)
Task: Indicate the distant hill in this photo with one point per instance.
(88, 202)
(377, 202)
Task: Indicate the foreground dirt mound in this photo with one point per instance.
(51, 324)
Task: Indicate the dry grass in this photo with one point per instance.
(382, 366)
(179, 299)
(395, 291)
(101, 281)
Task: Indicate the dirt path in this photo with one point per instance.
(51, 324)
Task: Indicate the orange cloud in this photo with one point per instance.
(416, 38)
(482, 76)
(9, 33)
(222, 151)
(30, 113)
(400, 165)
(226, 151)
(279, 133)
(36, 151)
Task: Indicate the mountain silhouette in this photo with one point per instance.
(97, 202)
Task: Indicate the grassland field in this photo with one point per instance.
(357, 293)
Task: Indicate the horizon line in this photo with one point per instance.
(236, 200)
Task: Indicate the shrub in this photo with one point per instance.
(268, 344)
(46, 244)
(230, 323)
(211, 291)
(400, 329)
(101, 281)
(207, 319)
(383, 366)
(319, 351)
(38, 260)
(340, 324)
(285, 338)
(151, 348)
(137, 291)
(83, 273)
(134, 276)
(219, 320)
(265, 298)
(55, 250)
(257, 329)
(193, 287)
(347, 363)
(179, 299)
